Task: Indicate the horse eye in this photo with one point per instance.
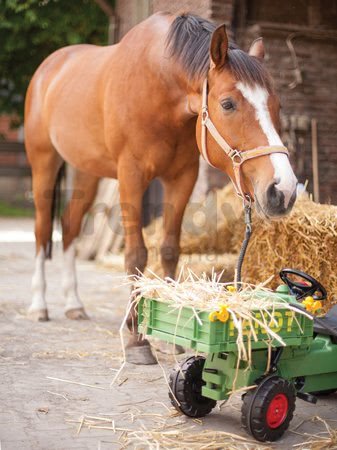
(228, 105)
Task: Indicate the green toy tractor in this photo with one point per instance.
(305, 367)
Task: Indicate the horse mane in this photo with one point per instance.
(188, 41)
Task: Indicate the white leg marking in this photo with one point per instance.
(39, 284)
(283, 173)
(69, 280)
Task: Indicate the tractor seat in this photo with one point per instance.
(327, 325)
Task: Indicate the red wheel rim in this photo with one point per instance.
(277, 411)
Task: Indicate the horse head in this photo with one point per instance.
(239, 123)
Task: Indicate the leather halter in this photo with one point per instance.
(237, 157)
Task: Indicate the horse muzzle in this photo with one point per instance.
(275, 202)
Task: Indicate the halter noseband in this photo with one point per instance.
(237, 157)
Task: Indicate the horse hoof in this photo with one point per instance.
(77, 314)
(178, 349)
(38, 315)
(166, 348)
(140, 354)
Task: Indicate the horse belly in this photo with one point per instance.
(88, 157)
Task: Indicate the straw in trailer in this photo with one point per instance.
(269, 345)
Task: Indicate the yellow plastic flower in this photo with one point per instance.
(222, 314)
(213, 316)
(308, 302)
(316, 306)
(311, 304)
(231, 288)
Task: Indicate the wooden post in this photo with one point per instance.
(314, 150)
(109, 10)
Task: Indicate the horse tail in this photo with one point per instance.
(55, 208)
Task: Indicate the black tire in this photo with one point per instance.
(268, 409)
(186, 383)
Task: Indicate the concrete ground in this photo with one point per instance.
(55, 377)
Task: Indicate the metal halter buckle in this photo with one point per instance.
(204, 115)
(235, 156)
(247, 201)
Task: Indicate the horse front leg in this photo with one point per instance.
(132, 186)
(176, 195)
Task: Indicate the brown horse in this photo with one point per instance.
(134, 111)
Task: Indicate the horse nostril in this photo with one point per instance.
(272, 192)
(275, 199)
(277, 181)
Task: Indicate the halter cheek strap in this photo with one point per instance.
(237, 157)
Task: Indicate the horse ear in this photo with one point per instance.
(219, 46)
(257, 48)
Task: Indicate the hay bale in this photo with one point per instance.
(207, 236)
(207, 227)
(201, 264)
(222, 209)
(306, 240)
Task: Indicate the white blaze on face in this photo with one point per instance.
(283, 173)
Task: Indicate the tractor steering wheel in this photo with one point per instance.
(309, 286)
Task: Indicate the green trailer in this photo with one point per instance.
(304, 367)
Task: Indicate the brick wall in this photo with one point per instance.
(15, 180)
(222, 11)
(6, 132)
(124, 17)
(13, 159)
(316, 96)
(200, 7)
(131, 12)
